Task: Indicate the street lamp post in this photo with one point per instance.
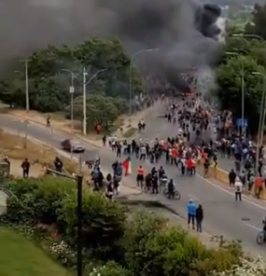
(27, 98)
(85, 82)
(27, 86)
(261, 120)
(130, 75)
(79, 180)
(71, 91)
(27, 101)
(243, 129)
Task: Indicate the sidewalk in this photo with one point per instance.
(3, 202)
(93, 139)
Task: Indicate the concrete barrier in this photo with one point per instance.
(222, 176)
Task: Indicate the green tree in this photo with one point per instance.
(103, 224)
(230, 86)
(166, 251)
(13, 92)
(257, 24)
(100, 109)
(100, 54)
(49, 93)
(139, 230)
(141, 243)
(233, 29)
(37, 200)
(247, 47)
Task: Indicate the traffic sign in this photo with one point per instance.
(71, 89)
(241, 122)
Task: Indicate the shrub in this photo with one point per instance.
(103, 224)
(63, 253)
(37, 200)
(247, 268)
(157, 250)
(142, 244)
(140, 228)
(109, 269)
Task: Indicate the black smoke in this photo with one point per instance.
(184, 31)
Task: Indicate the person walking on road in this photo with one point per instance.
(191, 211)
(140, 176)
(238, 189)
(232, 178)
(199, 218)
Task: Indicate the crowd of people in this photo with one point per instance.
(201, 136)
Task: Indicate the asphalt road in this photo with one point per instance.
(223, 216)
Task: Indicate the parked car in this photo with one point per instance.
(72, 145)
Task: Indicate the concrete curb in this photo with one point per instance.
(222, 176)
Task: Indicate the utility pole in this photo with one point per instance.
(27, 101)
(84, 101)
(79, 230)
(85, 82)
(71, 91)
(79, 180)
(27, 86)
(243, 128)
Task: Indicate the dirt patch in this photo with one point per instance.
(36, 170)
(15, 147)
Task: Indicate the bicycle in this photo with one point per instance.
(260, 239)
(177, 195)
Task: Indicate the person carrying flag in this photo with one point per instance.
(140, 176)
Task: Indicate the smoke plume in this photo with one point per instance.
(184, 31)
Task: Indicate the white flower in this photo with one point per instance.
(247, 268)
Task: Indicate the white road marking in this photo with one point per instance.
(252, 226)
(192, 197)
(244, 198)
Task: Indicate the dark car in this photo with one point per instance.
(72, 146)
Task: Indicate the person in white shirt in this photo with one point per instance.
(238, 189)
(142, 152)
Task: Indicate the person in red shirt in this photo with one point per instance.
(194, 165)
(189, 166)
(174, 156)
(203, 155)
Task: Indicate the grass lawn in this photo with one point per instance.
(21, 257)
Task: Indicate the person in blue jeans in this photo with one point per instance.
(191, 212)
